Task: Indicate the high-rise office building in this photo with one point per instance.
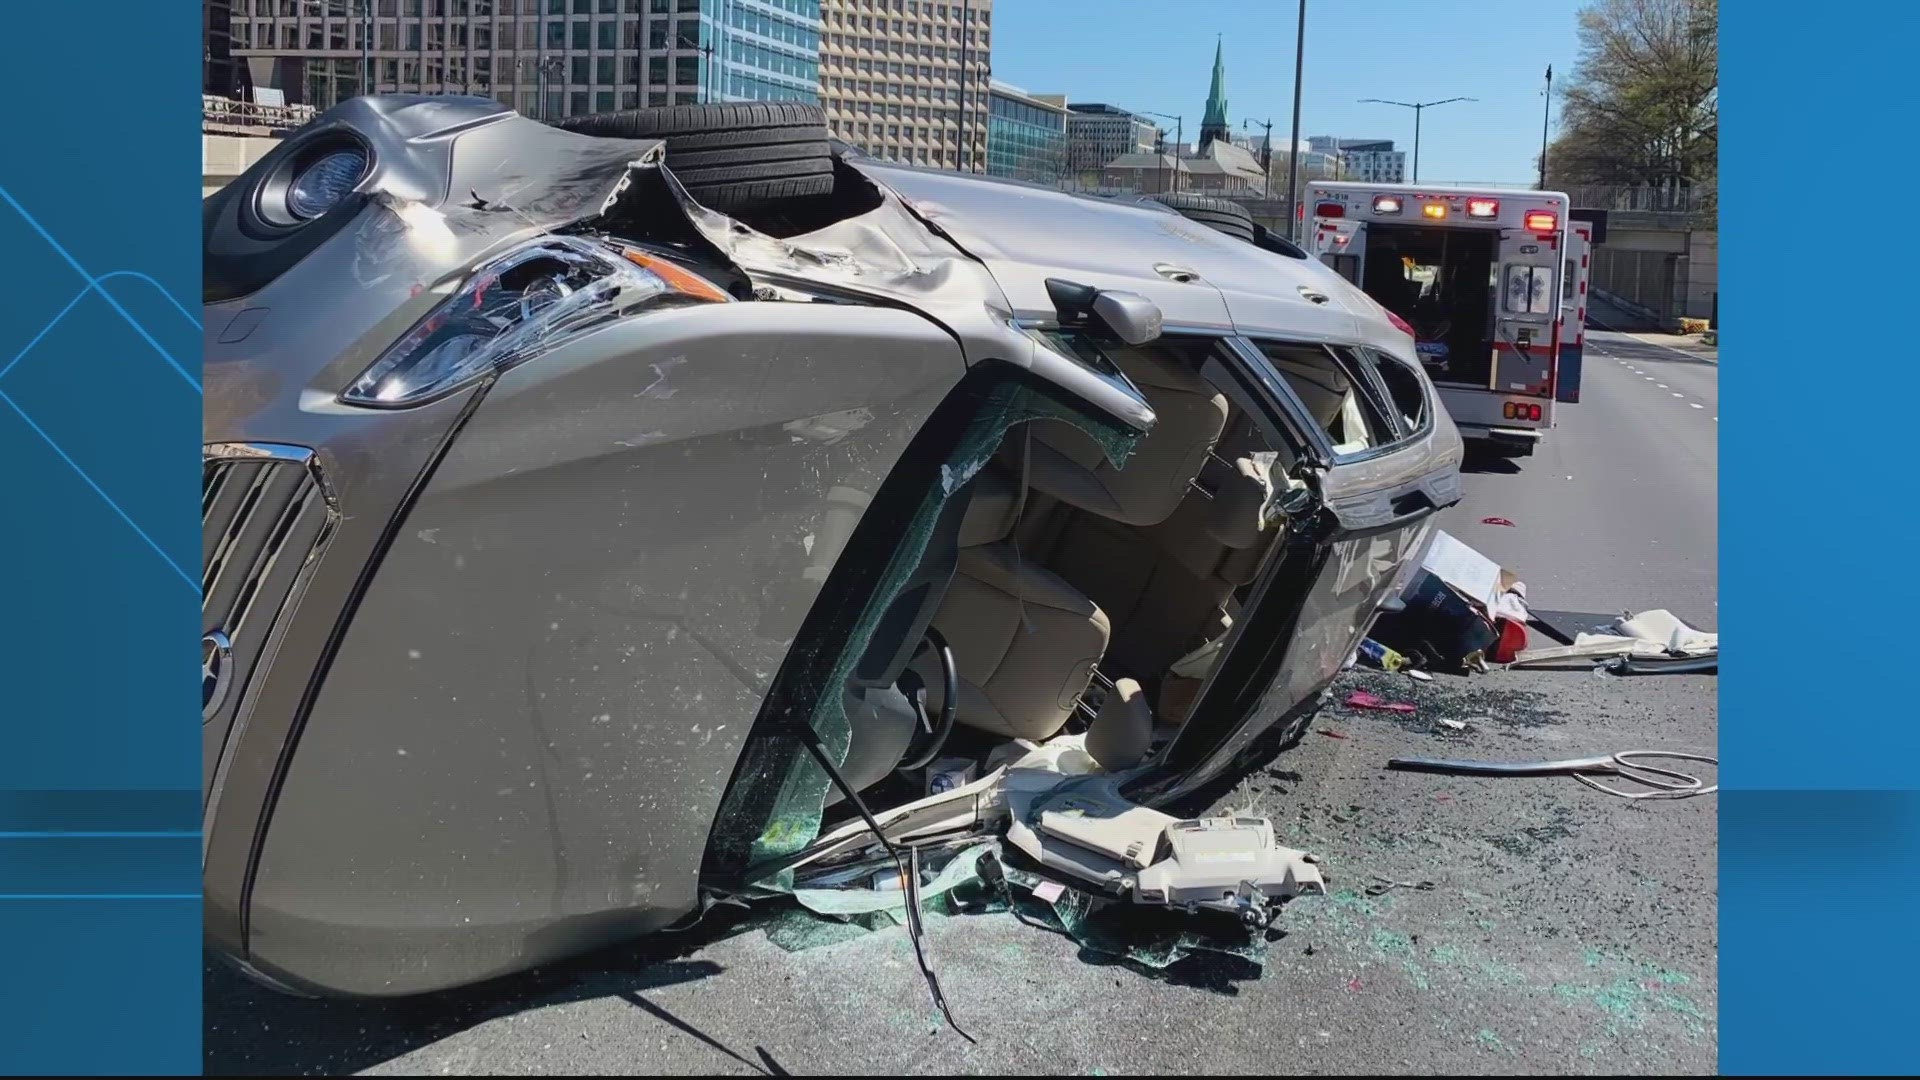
(1373, 160)
(1026, 134)
(546, 58)
(217, 65)
(1097, 134)
(907, 80)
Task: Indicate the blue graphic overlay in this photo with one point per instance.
(99, 450)
(1820, 816)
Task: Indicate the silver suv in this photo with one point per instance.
(571, 494)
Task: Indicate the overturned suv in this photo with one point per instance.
(596, 519)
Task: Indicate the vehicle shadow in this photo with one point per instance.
(252, 1031)
(1478, 460)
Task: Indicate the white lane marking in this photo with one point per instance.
(1679, 395)
(1697, 405)
(1663, 386)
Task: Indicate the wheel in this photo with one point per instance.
(731, 155)
(1223, 214)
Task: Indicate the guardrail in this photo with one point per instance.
(219, 113)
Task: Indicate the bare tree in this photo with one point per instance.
(1643, 106)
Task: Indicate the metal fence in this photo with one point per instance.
(1694, 199)
(226, 114)
(1655, 282)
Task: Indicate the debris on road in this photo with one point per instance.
(1651, 642)
(1047, 835)
(1330, 733)
(1460, 605)
(1381, 656)
(1497, 521)
(1383, 885)
(1661, 783)
(1666, 665)
(1512, 641)
(1453, 725)
(1361, 699)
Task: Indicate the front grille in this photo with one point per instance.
(265, 517)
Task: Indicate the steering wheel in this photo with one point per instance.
(924, 748)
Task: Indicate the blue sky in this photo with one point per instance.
(1158, 54)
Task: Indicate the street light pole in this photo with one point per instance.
(1418, 107)
(1293, 148)
(1546, 117)
(1179, 134)
(965, 12)
(366, 45)
(1266, 156)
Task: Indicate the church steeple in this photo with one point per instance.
(1214, 124)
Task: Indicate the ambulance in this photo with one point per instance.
(1491, 283)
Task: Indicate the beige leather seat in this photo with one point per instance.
(1189, 417)
(1166, 587)
(1330, 397)
(1024, 642)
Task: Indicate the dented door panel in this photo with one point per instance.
(548, 681)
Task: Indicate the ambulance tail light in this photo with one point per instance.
(1483, 208)
(1434, 210)
(1517, 410)
(1542, 221)
(1330, 209)
(1386, 204)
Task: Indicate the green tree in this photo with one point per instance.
(1643, 105)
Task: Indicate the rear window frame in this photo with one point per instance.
(1429, 399)
(1351, 361)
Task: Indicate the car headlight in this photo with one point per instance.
(517, 306)
(320, 186)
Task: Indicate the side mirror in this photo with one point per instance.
(1133, 318)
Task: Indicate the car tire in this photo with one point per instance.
(733, 155)
(1223, 214)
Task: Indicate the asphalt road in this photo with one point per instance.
(1566, 931)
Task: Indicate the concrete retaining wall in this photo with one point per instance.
(224, 157)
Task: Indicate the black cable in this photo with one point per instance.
(910, 879)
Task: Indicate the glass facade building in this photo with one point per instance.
(1026, 136)
(546, 58)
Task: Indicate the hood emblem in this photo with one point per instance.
(216, 672)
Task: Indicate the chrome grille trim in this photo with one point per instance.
(267, 516)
